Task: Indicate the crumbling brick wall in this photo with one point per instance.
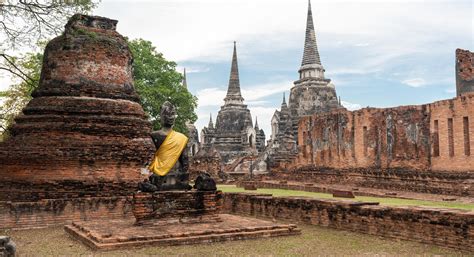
(444, 227)
(382, 138)
(464, 71)
(427, 148)
(437, 136)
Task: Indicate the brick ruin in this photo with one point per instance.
(81, 141)
(425, 148)
(445, 227)
(311, 93)
(464, 71)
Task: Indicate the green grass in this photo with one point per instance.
(381, 200)
(314, 241)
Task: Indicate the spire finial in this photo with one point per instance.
(233, 90)
(284, 98)
(311, 54)
(256, 123)
(210, 125)
(185, 84)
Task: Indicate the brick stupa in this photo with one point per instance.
(84, 130)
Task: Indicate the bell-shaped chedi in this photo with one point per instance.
(84, 125)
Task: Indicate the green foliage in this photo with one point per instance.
(18, 95)
(156, 81)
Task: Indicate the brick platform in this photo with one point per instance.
(444, 227)
(176, 207)
(123, 233)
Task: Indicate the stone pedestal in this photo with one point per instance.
(170, 207)
(174, 218)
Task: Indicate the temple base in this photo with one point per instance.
(124, 233)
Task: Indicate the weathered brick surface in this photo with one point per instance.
(183, 206)
(205, 164)
(448, 228)
(424, 148)
(464, 71)
(460, 109)
(84, 123)
(123, 233)
(53, 212)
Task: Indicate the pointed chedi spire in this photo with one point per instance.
(311, 54)
(256, 124)
(185, 84)
(210, 125)
(283, 103)
(233, 91)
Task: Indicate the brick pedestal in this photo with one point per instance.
(176, 207)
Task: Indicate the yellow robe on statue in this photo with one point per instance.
(168, 153)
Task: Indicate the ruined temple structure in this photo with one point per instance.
(312, 93)
(282, 144)
(84, 133)
(426, 148)
(260, 137)
(464, 71)
(233, 135)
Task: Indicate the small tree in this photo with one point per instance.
(156, 81)
(18, 95)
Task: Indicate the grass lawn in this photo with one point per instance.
(382, 200)
(314, 241)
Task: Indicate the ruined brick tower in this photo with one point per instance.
(464, 71)
(312, 92)
(233, 135)
(84, 130)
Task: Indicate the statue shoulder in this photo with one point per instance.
(158, 135)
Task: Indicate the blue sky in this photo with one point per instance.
(377, 53)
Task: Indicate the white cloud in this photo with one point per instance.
(414, 82)
(352, 71)
(252, 94)
(256, 92)
(351, 106)
(210, 97)
(186, 30)
(192, 69)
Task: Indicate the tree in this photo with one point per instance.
(18, 95)
(23, 23)
(156, 81)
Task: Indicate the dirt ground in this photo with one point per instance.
(313, 241)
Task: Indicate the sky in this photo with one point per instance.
(377, 53)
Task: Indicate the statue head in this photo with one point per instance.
(168, 114)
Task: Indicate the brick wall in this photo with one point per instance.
(53, 212)
(424, 148)
(448, 228)
(452, 132)
(371, 137)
